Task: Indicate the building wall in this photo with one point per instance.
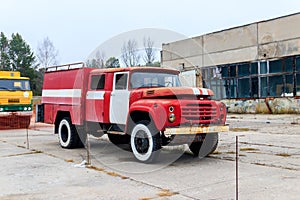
(265, 46)
(258, 41)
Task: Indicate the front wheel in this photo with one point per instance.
(145, 142)
(205, 147)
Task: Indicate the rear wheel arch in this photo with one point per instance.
(59, 116)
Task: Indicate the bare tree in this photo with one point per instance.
(149, 56)
(130, 55)
(46, 53)
(100, 57)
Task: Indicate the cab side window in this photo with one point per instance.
(97, 82)
(121, 82)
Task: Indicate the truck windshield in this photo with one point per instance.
(13, 85)
(150, 79)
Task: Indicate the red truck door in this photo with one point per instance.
(119, 101)
(95, 98)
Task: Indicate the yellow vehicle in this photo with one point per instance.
(15, 100)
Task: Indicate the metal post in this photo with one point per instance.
(237, 169)
(27, 139)
(88, 150)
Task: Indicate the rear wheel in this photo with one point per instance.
(205, 147)
(145, 142)
(67, 134)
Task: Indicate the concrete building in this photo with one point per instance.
(255, 65)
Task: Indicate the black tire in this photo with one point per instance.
(204, 148)
(67, 134)
(145, 142)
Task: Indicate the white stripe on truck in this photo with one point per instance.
(95, 95)
(196, 91)
(204, 91)
(62, 93)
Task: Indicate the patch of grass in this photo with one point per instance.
(113, 174)
(95, 168)
(37, 151)
(166, 193)
(216, 153)
(283, 154)
(249, 149)
(69, 160)
(239, 129)
(231, 152)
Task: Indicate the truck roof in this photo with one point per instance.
(139, 69)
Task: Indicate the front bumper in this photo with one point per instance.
(194, 130)
(21, 114)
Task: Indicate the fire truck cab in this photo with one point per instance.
(144, 107)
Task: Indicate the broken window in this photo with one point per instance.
(254, 68)
(244, 69)
(276, 86)
(298, 64)
(232, 71)
(244, 88)
(254, 87)
(298, 85)
(289, 63)
(275, 66)
(263, 67)
(263, 87)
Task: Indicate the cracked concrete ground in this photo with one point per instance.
(269, 166)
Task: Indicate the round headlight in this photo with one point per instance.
(1, 109)
(25, 108)
(171, 109)
(172, 117)
(29, 108)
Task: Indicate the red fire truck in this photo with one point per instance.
(144, 107)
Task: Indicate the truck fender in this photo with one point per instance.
(156, 113)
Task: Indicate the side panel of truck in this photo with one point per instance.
(64, 91)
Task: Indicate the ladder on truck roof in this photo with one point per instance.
(65, 67)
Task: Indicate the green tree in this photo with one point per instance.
(4, 48)
(22, 58)
(112, 62)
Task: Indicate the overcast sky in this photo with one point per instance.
(77, 27)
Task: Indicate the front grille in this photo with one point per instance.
(13, 101)
(199, 113)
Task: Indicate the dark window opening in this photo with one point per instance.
(244, 70)
(298, 64)
(254, 68)
(121, 82)
(98, 82)
(244, 88)
(289, 64)
(275, 66)
(263, 67)
(276, 86)
(297, 84)
(232, 71)
(264, 87)
(254, 87)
